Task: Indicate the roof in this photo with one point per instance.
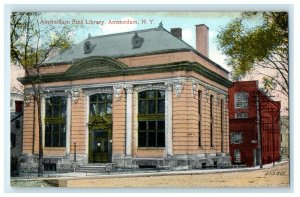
(120, 45)
(155, 40)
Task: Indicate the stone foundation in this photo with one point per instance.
(29, 163)
(176, 162)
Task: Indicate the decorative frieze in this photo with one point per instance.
(73, 94)
(151, 86)
(117, 92)
(178, 87)
(194, 88)
(91, 91)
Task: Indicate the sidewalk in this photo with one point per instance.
(141, 173)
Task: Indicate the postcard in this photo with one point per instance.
(149, 99)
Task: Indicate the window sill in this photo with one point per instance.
(54, 148)
(151, 148)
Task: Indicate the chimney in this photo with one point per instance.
(202, 39)
(177, 32)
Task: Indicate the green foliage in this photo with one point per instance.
(32, 42)
(255, 41)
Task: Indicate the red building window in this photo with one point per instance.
(236, 137)
(237, 156)
(241, 100)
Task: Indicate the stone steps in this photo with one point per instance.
(94, 168)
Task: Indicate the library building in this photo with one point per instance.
(138, 99)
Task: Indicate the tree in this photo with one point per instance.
(258, 42)
(31, 45)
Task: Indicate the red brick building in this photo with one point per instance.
(253, 123)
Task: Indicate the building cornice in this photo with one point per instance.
(177, 66)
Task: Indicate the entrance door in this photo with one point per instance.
(100, 146)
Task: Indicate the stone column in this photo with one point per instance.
(168, 122)
(129, 91)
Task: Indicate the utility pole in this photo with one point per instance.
(273, 138)
(258, 128)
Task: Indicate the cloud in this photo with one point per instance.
(217, 56)
(117, 28)
(212, 34)
(188, 35)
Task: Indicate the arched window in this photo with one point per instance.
(151, 118)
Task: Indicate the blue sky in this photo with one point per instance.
(184, 20)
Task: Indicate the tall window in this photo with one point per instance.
(100, 104)
(211, 121)
(55, 122)
(222, 129)
(151, 118)
(199, 118)
(241, 100)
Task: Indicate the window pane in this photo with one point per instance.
(151, 105)
(142, 107)
(109, 108)
(55, 111)
(151, 126)
(160, 139)
(55, 100)
(142, 139)
(63, 110)
(101, 97)
(93, 98)
(55, 135)
(48, 108)
(48, 135)
(161, 125)
(241, 100)
(142, 95)
(62, 136)
(151, 139)
(161, 106)
(109, 97)
(151, 94)
(92, 109)
(101, 109)
(142, 126)
(161, 94)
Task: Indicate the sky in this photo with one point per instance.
(215, 21)
(184, 20)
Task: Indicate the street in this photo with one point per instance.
(277, 176)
